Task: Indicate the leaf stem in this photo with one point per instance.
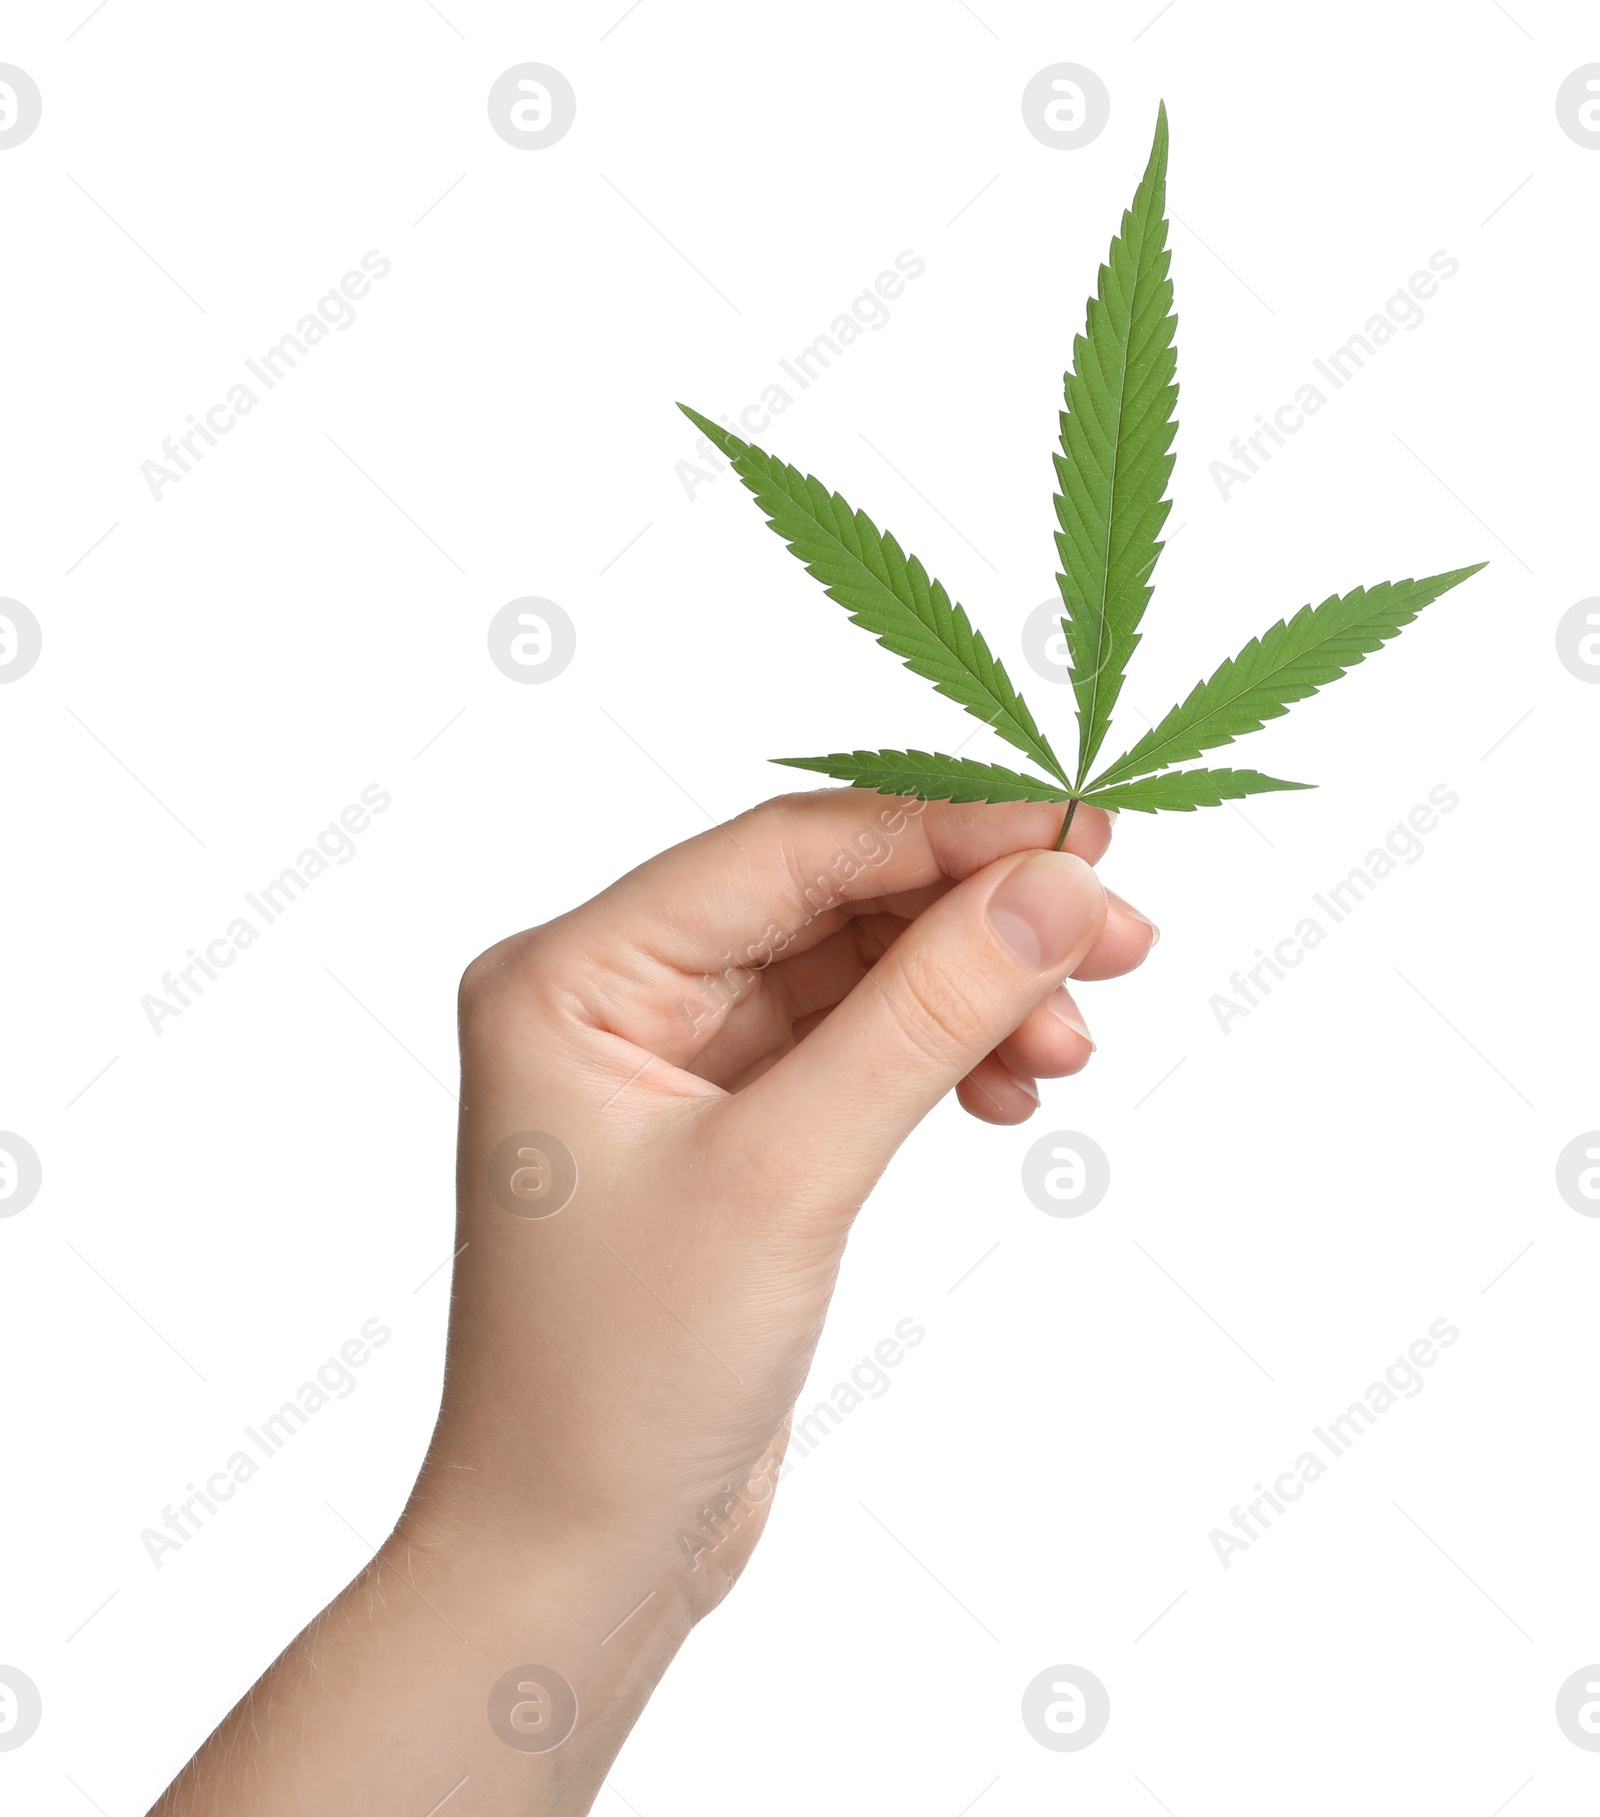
(1066, 824)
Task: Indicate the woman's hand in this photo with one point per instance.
(675, 1099)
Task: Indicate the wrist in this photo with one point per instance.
(671, 1559)
(564, 1576)
(566, 1632)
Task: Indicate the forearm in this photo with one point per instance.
(404, 1692)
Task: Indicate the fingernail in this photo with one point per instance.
(1128, 909)
(1025, 1085)
(1045, 908)
(1061, 1006)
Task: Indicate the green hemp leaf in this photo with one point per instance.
(1112, 471)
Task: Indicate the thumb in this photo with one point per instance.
(965, 973)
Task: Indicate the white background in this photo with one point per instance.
(1362, 1154)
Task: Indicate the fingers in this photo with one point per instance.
(785, 1002)
(782, 1004)
(781, 878)
(955, 984)
(1052, 1043)
(992, 1093)
(1127, 941)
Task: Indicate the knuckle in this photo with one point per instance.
(942, 1013)
(499, 972)
(481, 981)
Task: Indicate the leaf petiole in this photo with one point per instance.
(1066, 825)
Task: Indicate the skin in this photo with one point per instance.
(731, 1041)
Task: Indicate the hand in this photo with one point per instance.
(711, 1063)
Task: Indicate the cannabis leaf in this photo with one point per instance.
(1185, 790)
(1114, 462)
(1112, 472)
(933, 778)
(1283, 665)
(884, 590)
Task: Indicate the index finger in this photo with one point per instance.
(785, 875)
